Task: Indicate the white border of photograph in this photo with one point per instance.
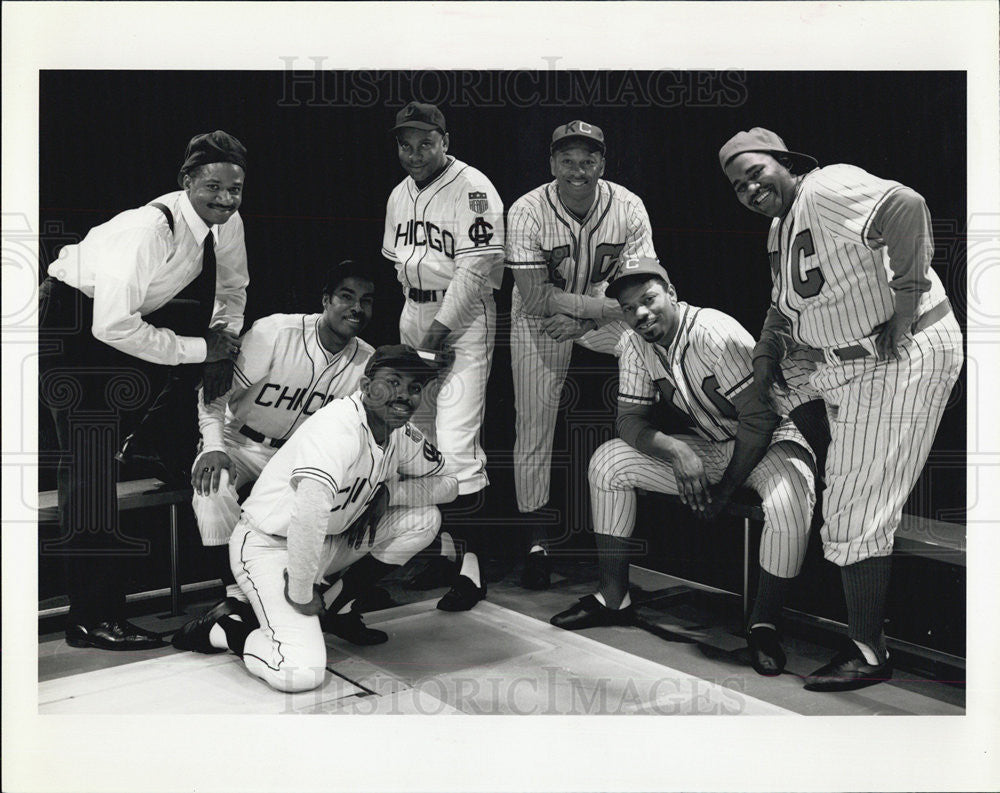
(465, 753)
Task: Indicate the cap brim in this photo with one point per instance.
(586, 138)
(632, 278)
(805, 161)
(417, 125)
(416, 367)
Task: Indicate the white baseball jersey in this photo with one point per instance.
(336, 447)
(705, 369)
(832, 282)
(458, 214)
(580, 256)
(831, 278)
(427, 232)
(704, 372)
(283, 375)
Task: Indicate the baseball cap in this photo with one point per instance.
(420, 115)
(402, 358)
(578, 129)
(636, 265)
(762, 140)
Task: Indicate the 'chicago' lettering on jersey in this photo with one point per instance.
(419, 232)
(348, 495)
(296, 400)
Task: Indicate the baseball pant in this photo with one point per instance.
(218, 513)
(883, 417)
(452, 409)
(783, 479)
(287, 651)
(540, 364)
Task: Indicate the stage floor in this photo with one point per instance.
(500, 658)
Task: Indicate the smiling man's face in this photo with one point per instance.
(215, 191)
(762, 184)
(576, 168)
(391, 396)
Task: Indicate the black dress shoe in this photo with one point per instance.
(589, 613)
(375, 599)
(537, 569)
(150, 462)
(439, 571)
(351, 627)
(462, 596)
(766, 655)
(193, 635)
(112, 635)
(848, 671)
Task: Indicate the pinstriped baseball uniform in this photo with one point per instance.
(705, 369)
(282, 376)
(832, 281)
(336, 448)
(580, 257)
(427, 233)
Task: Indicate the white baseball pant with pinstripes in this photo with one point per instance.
(451, 411)
(883, 418)
(540, 365)
(288, 651)
(783, 479)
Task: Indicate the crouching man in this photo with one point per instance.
(698, 361)
(353, 494)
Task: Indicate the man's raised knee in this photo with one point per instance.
(601, 471)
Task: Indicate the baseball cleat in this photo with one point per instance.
(848, 671)
(766, 655)
(351, 628)
(462, 596)
(589, 613)
(112, 635)
(193, 635)
(537, 569)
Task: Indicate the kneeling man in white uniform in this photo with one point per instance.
(352, 494)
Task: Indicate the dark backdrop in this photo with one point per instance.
(322, 163)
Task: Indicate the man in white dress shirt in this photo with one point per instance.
(99, 319)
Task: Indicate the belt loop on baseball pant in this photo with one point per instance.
(260, 437)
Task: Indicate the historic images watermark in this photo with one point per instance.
(552, 691)
(308, 82)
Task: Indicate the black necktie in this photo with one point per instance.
(202, 288)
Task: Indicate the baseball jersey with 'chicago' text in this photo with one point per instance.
(336, 448)
(831, 270)
(426, 230)
(580, 256)
(282, 376)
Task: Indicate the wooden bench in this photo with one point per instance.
(915, 536)
(139, 494)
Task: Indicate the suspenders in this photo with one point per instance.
(166, 214)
